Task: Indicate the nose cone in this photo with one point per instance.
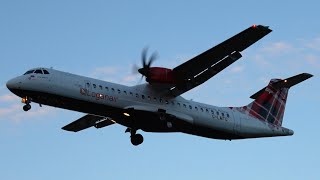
(10, 84)
(13, 84)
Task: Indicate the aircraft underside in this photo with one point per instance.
(146, 121)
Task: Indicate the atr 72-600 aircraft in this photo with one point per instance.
(157, 105)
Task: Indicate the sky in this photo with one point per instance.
(104, 39)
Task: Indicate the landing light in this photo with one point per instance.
(254, 26)
(285, 81)
(24, 100)
(126, 114)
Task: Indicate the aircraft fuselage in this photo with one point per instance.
(153, 112)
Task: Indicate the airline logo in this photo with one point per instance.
(98, 96)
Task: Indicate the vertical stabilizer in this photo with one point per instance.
(270, 102)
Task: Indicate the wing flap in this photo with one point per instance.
(206, 74)
(88, 121)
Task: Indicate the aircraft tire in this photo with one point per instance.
(136, 139)
(27, 107)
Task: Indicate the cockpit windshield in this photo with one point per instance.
(28, 72)
(37, 71)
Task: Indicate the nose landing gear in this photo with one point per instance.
(26, 101)
(136, 139)
(27, 107)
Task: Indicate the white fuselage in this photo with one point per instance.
(88, 95)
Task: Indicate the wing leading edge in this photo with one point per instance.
(204, 66)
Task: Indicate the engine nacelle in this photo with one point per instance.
(160, 75)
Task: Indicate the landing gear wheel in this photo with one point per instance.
(136, 139)
(27, 107)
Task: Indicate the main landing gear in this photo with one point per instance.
(136, 139)
(26, 101)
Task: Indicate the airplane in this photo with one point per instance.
(157, 105)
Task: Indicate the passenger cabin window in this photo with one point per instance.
(196, 108)
(142, 96)
(119, 91)
(100, 87)
(125, 92)
(149, 97)
(94, 85)
(112, 89)
(184, 105)
(131, 93)
(45, 72)
(28, 72)
(190, 106)
(167, 102)
(137, 95)
(201, 109)
(106, 88)
(38, 71)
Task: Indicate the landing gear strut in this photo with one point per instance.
(27, 101)
(136, 139)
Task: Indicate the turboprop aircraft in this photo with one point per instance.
(157, 106)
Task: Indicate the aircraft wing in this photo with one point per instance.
(88, 121)
(204, 66)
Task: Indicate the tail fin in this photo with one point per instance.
(270, 102)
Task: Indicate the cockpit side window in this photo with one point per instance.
(45, 72)
(28, 72)
(38, 71)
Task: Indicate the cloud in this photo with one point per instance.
(237, 69)
(14, 112)
(313, 44)
(313, 60)
(104, 71)
(11, 108)
(120, 75)
(130, 78)
(277, 48)
(8, 98)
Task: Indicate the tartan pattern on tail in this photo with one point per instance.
(269, 106)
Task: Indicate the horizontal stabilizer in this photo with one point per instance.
(285, 83)
(86, 122)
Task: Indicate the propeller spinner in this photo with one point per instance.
(146, 63)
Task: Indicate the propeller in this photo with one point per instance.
(146, 63)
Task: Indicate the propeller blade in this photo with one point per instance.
(153, 57)
(144, 57)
